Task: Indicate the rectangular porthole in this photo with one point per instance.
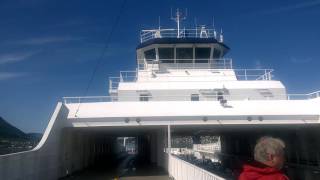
(144, 97)
(195, 97)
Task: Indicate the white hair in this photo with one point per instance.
(268, 145)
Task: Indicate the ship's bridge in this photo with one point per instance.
(190, 64)
(188, 48)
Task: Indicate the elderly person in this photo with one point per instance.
(269, 157)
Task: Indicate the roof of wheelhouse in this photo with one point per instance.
(200, 34)
(183, 40)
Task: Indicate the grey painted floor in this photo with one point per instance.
(142, 174)
(120, 171)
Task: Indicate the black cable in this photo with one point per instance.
(104, 50)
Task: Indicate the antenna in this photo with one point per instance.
(159, 19)
(195, 23)
(214, 29)
(221, 36)
(213, 22)
(186, 12)
(177, 19)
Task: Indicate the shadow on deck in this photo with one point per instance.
(124, 168)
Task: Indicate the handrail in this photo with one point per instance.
(234, 97)
(239, 74)
(196, 63)
(180, 170)
(146, 35)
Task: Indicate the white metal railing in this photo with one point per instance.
(182, 170)
(199, 63)
(114, 84)
(93, 99)
(312, 95)
(146, 35)
(240, 74)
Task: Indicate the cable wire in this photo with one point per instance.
(104, 50)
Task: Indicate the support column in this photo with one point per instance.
(196, 139)
(169, 148)
(169, 138)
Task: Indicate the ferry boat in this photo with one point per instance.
(183, 86)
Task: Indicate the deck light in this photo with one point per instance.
(260, 118)
(126, 120)
(249, 118)
(138, 120)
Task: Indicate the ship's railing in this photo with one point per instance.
(312, 95)
(146, 35)
(181, 170)
(113, 84)
(239, 74)
(94, 99)
(199, 63)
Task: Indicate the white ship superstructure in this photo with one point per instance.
(183, 83)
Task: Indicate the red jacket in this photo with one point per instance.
(261, 172)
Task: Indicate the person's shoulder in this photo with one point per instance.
(242, 176)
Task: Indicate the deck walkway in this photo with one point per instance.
(120, 171)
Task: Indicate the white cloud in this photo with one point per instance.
(10, 58)
(292, 7)
(10, 75)
(46, 40)
(300, 60)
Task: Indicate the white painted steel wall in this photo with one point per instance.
(43, 162)
(182, 170)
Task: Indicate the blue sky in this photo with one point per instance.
(48, 49)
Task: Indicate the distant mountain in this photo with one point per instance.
(34, 136)
(7, 131)
(14, 140)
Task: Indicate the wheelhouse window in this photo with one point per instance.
(184, 55)
(195, 97)
(144, 97)
(150, 55)
(166, 55)
(202, 55)
(216, 53)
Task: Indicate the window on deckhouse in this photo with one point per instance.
(150, 55)
(166, 55)
(184, 55)
(202, 55)
(195, 97)
(144, 97)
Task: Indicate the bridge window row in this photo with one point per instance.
(181, 55)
